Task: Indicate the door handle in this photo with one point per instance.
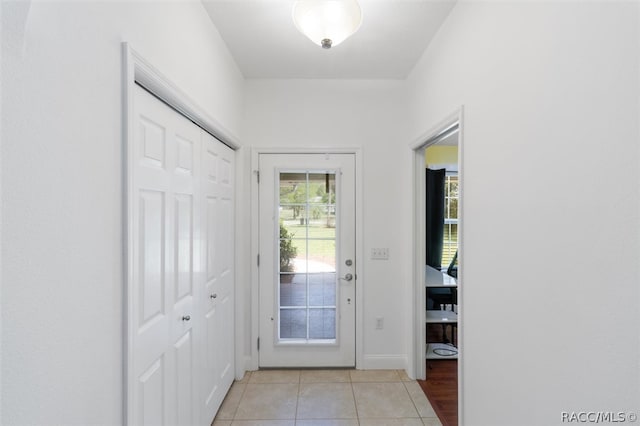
(186, 318)
(347, 277)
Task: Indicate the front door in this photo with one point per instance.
(307, 260)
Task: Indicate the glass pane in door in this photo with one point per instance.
(307, 253)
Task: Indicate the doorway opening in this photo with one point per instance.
(438, 259)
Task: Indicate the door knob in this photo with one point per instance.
(186, 318)
(213, 296)
(347, 277)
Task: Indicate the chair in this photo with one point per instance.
(445, 296)
(452, 270)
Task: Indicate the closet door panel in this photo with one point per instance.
(184, 379)
(151, 234)
(181, 268)
(217, 193)
(162, 185)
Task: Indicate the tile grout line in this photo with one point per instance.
(295, 414)
(355, 402)
(235, 411)
(412, 400)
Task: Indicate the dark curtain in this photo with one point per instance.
(435, 216)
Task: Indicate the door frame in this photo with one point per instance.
(255, 235)
(418, 148)
(137, 70)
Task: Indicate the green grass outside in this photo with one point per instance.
(322, 249)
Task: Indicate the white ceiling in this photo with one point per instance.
(265, 43)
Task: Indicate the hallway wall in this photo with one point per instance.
(370, 115)
(551, 216)
(61, 173)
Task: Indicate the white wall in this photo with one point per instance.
(551, 174)
(61, 174)
(347, 113)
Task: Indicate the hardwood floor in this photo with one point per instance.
(441, 388)
(441, 385)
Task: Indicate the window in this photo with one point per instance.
(308, 283)
(450, 241)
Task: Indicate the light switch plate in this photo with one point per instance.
(380, 253)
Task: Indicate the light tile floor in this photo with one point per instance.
(326, 398)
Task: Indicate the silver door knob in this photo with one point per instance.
(186, 318)
(347, 277)
(213, 296)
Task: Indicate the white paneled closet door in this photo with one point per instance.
(218, 249)
(181, 256)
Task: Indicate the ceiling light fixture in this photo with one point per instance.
(327, 22)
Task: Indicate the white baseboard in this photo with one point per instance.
(384, 362)
(370, 362)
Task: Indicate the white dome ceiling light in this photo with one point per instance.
(327, 22)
